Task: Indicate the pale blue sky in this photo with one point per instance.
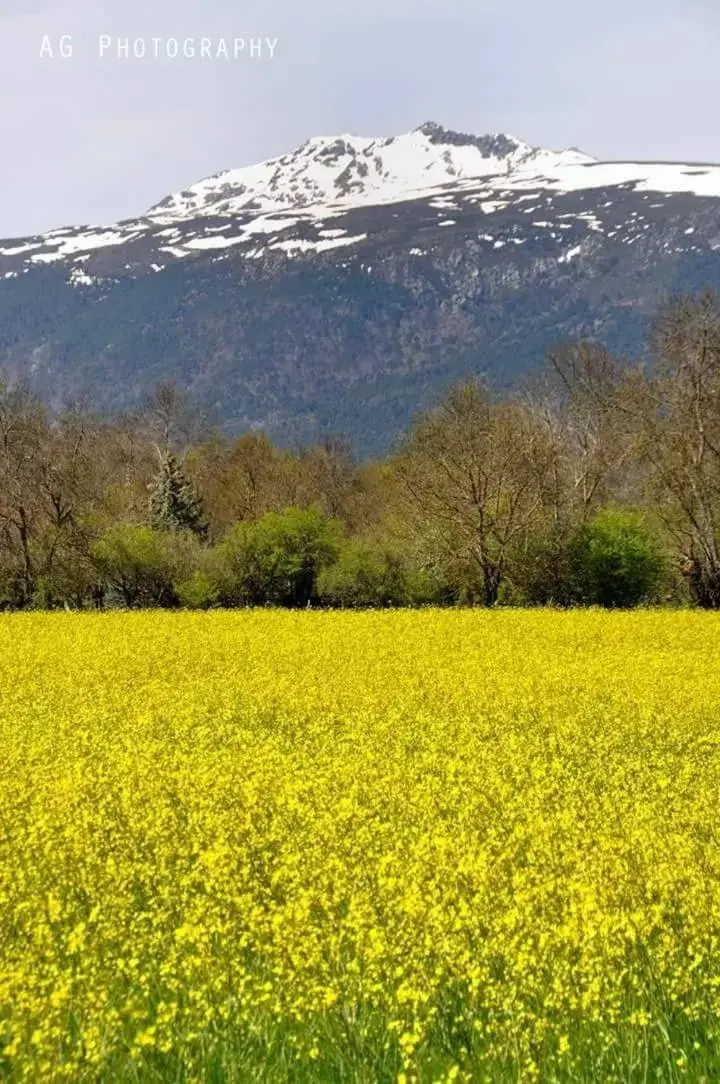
(90, 140)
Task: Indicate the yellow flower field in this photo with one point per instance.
(419, 846)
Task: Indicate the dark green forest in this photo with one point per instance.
(597, 482)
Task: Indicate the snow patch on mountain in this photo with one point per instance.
(17, 250)
(79, 278)
(213, 242)
(665, 177)
(300, 245)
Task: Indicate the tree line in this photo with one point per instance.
(596, 483)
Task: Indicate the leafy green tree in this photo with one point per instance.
(198, 591)
(614, 560)
(368, 575)
(277, 558)
(137, 565)
(240, 569)
(173, 504)
(299, 543)
(619, 560)
(546, 568)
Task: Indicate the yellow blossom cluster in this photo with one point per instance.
(395, 846)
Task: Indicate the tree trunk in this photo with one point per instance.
(491, 584)
(28, 574)
(703, 580)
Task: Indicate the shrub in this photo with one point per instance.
(368, 575)
(137, 565)
(275, 559)
(615, 560)
(544, 570)
(197, 592)
(620, 561)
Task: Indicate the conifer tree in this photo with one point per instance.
(173, 504)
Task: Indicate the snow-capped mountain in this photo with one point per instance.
(344, 284)
(292, 204)
(348, 170)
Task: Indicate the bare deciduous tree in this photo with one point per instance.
(476, 476)
(581, 398)
(678, 412)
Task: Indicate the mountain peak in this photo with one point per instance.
(497, 145)
(329, 170)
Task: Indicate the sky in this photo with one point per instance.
(95, 136)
